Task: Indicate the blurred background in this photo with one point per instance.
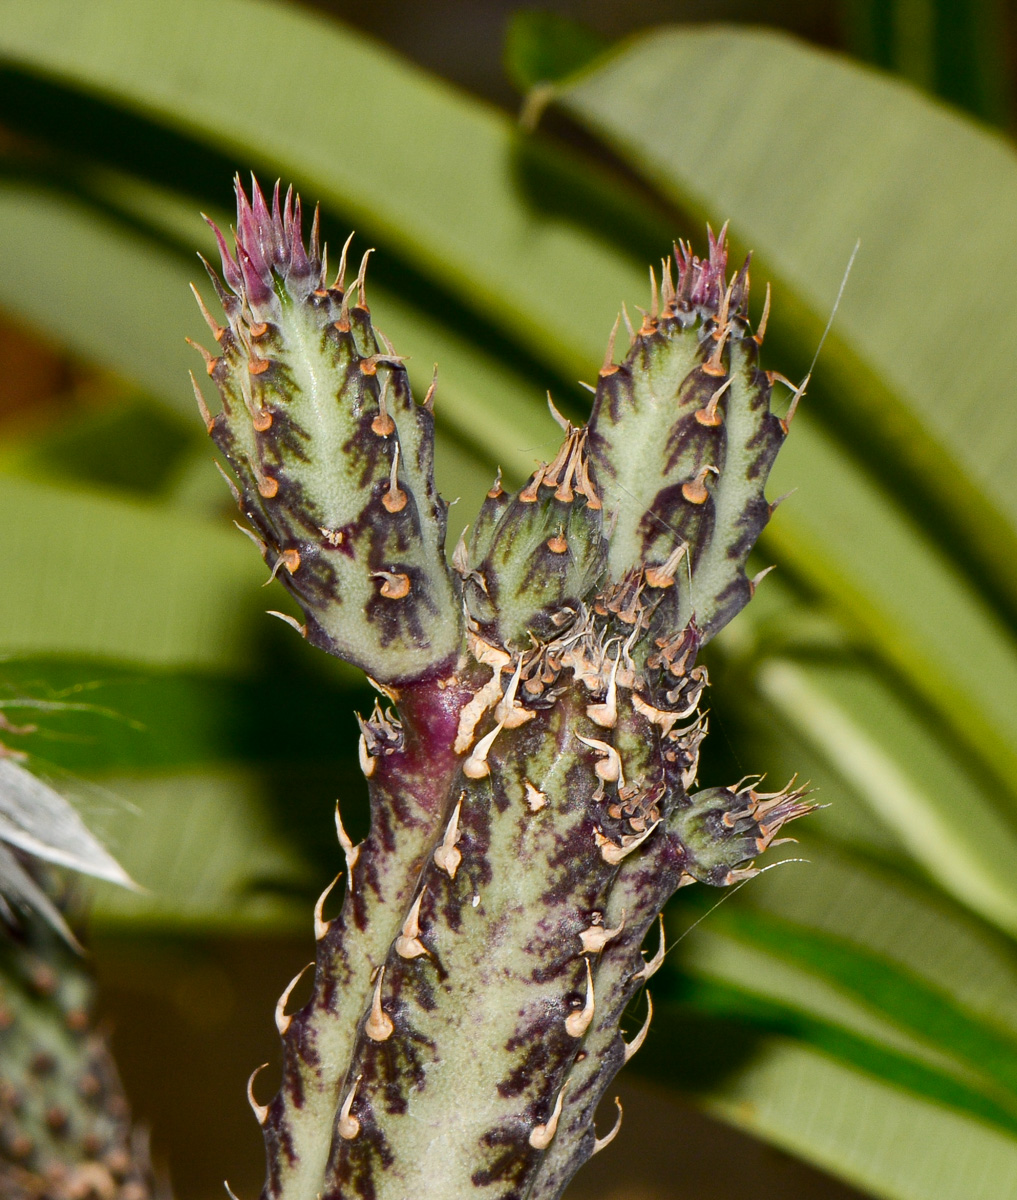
(208, 748)
(961, 50)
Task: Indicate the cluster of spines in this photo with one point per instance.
(270, 245)
(535, 555)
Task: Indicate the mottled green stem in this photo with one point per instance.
(531, 772)
(409, 784)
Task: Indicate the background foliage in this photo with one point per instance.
(859, 1011)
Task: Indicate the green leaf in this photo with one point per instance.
(120, 302)
(882, 997)
(825, 1021)
(135, 446)
(124, 744)
(870, 1133)
(884, 575)
(837, 980)
(84, 574)
(203, 847)
(805, 152)
(878, 756)
(838, 897)
(89, 717)
(543, 47)
(956, 48)
(939, 810)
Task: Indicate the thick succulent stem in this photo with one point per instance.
(531, 769)
(333, 455)
(683, 440)
(410, 763)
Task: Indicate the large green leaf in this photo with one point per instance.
(785, 997)
(805, 152)
(893, 1144)
(886, 763)
(880, 796)
(84, 717)
(883, 573)
(88, 282)
(938, 808)
(836, 896)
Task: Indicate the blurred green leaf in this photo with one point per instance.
(91, 717)
(893, 997)
(787, 1001)
(204, 848)
(810, 699)
(883, 574)
(940, 811)
(954, 48)
(890, 1142)
(135, 446)
(85, 574)
(123, 303)
(905, 924)
(838, 981)
(543, 47)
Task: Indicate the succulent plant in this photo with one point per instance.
(533, 757)
(65, 1128)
